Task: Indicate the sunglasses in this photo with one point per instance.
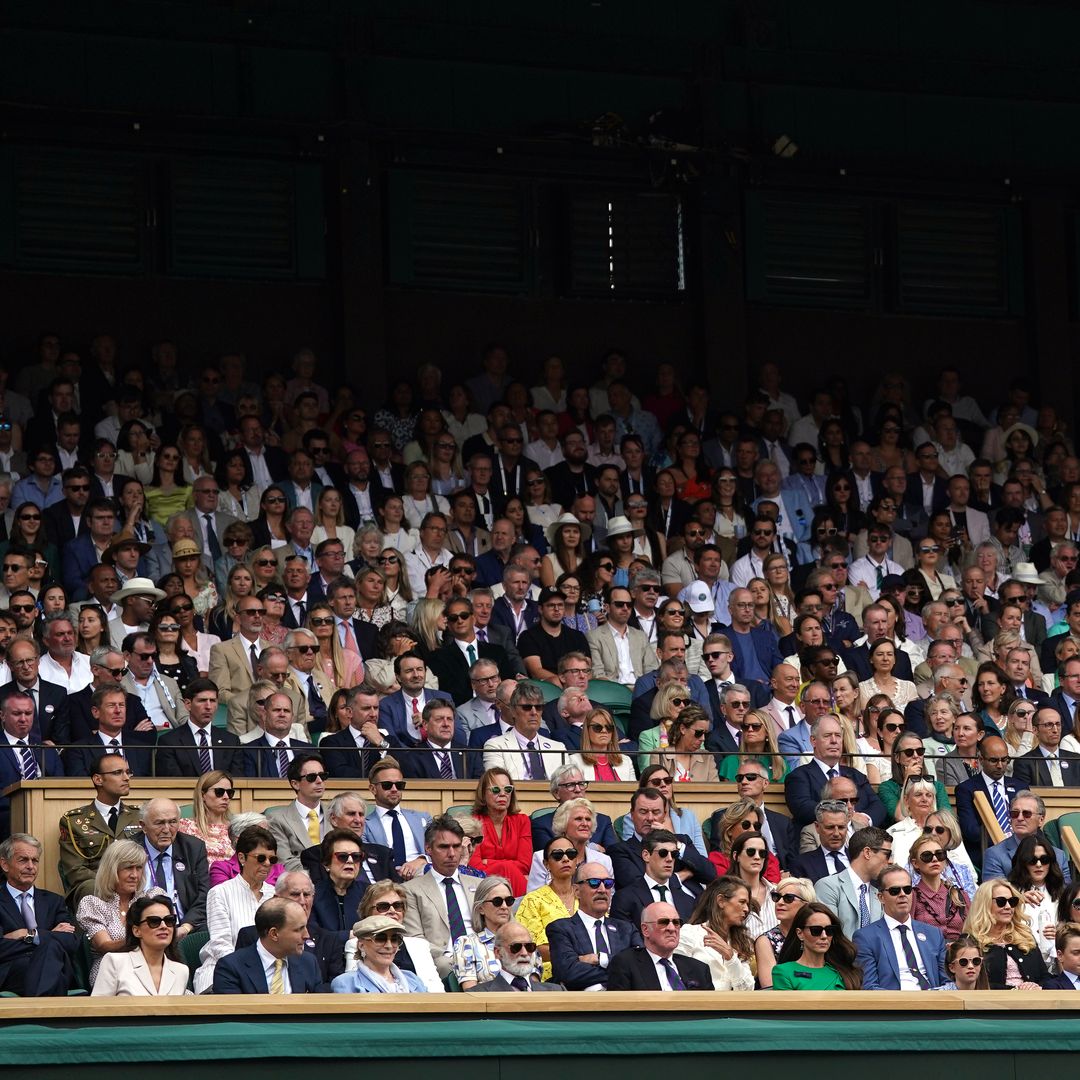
(933, 549)
(747, 777)
(261, 858)
(746, 825)
(183, 609)
(913, 751)
(261, 702)
(325, 620)
(753, 726)
(1025, 814)
(667, 853)
(12, 568)
(937, 830)
(29, 517)
(253, 611)
(609, 567)
(668, 922)
(953, 603)
(601, 729)
(898, 890)
(620, 603)
(522, 946)
(1006, 901)
(507, 790)
(530, 706)
(234, 542)
(931, 856)
(459, 616)
(660, 781)
(388, 937)
(1040, 860)
(222, 792)
(348, 856)
(117, 673)
(680, 701)
(155, 921)
(266, 562)
(605, 883)
(756, 853)
(969, 961)
(788, 897)
(307, 650)
(389, 785)
(496, 901)
(168, 627)
(311, 777)
(895, 727)
(562, 853)
(818, 931)
(387, 560)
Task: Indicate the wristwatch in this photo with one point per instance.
(29, 939)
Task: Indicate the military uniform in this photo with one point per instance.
(84, 836)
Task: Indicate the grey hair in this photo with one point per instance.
(526, 692)
(244, 821)
(97, 657)
(500, 934)
(562, 814)
(7, 848)
(291, 637)
(282, 884)
(562, 774)
(337, 803)
(483, 893)
(1039, 804)
(830, 806)
(732, 688)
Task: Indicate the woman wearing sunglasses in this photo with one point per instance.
(389, 900)
(338, 894)
(965, 963)
(171, 661)
(210, 814)
(757, 743)
(1037, 877)
(506, 847)
(816, 954)
(599, 757)
(149, 964)
(378, 941)
(1019, 736)
(908, 755)
(686, 757)
(341, 666)
(670, 700)
(474, 957)
(679, 820)
(749, 857)
(1002, 930)
(716, 934)
(935, 900)
(742, 816)
(959, 869)
(268, 528)
(788, 896)
(231, 905)
(556, 900)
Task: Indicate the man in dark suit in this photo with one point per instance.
(385, 474)
(176, 863)
(272, 752)
(1047, 765)
(515, 610)
(1067, 942)
(875, 626)
(51, 711)
(353, 751)
(397, 714)
(752, 781)
(994, 759)
(59, 519)
(342, 600)
(107, 668)
(20, 759)
(926, 480)
(110, 734)
(347, 811)
(802, 788)
(833, 828)
(659, 850)
(648, 808)
(439, 756)
(573, 475)
(268, 464)
(517, 968)
(655, 966)
(896, 933)
(37, 932)
(197, 747)
(582, 947)
(1066, 697)
(460, 650)
(282, 928)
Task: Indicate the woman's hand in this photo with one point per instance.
(1033, 897)
(718, 944)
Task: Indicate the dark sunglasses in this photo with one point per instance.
(1040, 860)
(913, 751)
(311, 777)
(389, 785)
(932, 856)
(788, 897)
(500, 901)
(969, 961)
(562, 853)
(183, 609)
(388, 937)
(325, 620)
(261, 858)
(747, 777)
(168, 627)
(601, 729)
(222, 792)
(1006, 901)
(598, 883)
(155, 921)
(307, 650)
(668, 922)
(383, 906)
(937, 830)
(827, 931)
(507, 790)
(522, 946)
(756, 853)
(680, 701)
(898, 890)
(667, 853)
(348, 856)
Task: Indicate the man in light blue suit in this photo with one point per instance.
(898, 952)
(400, 713)
(850, 892)
(390, 824)
(795, 511)
(1027, 812)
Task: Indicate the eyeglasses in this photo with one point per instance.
(253, 611)
(598, 882)
(574, 785)
(715, 655)
(680, 701)
(530, 706)
(508, 789)
(307, 650)
(1006, 901)
(788, 897)
(562, 853)
(156, 921)
(145, 655)
(383, 906)
(969, 961)
(913, 751)
(936, 830)
(183, 609)
(386, 560)
(388, 937)
(1040, 860)
(117, 772)
(518, 946)
(221, 792)
(748, 777)
(899, 890)
(323, 620)
(895, 727)
(607, 566)
(348, 856)
(1025, 814)
(953, 602)
(311, 777)
(827, 931)
(261, 702)
(261, 859)
(667, 922)
(389, 785)
(1001, 761)
(117, 673)
(932, 856)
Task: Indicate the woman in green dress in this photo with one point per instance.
(757, 743)
(816, 954)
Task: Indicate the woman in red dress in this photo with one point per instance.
(506, 848)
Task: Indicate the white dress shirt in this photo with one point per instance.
(382, 816)
(907, 979)
(269, 964)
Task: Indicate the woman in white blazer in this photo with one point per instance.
(149, 967)
(599, 757)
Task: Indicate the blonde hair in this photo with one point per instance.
(776, 762)
(376, 892)
(731, 817)
(587, 749)
(947, 819)
(425, 619)
(913, 783)
(801, 885)
(980, 920)
(562, 814)
(337, 653)
(662, 702)
(119, 855)
(1013, 737)
(202, 786)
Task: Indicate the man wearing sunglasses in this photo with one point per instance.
(659, 852)
(994, 760)
(299, 824)
(176, 863)
(233, 663)
(525, 754)
(514, 949)
(391, 824)
(656, 965)
(619, 652)
(1027, 815)
(898, 952)
(582, 946)
(1047, 764)
(461, 648)
(158, 694)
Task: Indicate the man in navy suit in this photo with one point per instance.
(461, 648)
(802, 789)
(37, 932)
(991, 780)
(898, 952)
(107, 667)
(1027, 812)
(514, 609)
(400, 713)
(1067, 696)
(51, 711)
(926, 490)
(108, 712)
(353, 751)
(875, 626)
(277, 963)
(568, 782)
(582, 946)
(1067, 943)
(659, 850)
(264, 755)
(19, 758)
(653, 966)
(197, 747)
(439, 756)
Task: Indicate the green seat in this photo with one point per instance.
(1053, 828)
(461, 810)
(706, 832)
(614, 697)
(617, 825)
(451, 983)
(80, 963)
(549, 690)
(189, 952)
(187, 811)
(221, 717)
(543, 812)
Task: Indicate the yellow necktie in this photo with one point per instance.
(277, 983)
(313, 826)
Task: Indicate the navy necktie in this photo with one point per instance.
(912, 961)
(211, 537)
(398, 837)
(453, 910)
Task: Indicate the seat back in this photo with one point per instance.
(189, 952)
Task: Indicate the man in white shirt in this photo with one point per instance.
(61, 664)
(429, 552)
(657, 967)
(392, 825)
(546, 449)
(358, 473)
(875, 566)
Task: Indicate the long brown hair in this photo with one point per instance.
(589, 752)
(724, 888)
(841, 954)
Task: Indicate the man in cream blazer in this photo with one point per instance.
(605, 650)
(511, 752)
